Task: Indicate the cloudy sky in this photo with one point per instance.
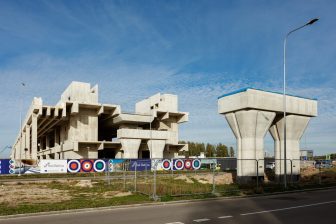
(196, 49)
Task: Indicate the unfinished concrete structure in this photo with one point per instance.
(251, 113)
(78, 126)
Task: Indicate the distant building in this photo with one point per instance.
(306, 154)
(78, 126)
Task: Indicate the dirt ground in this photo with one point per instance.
(30, 193)
(15, 193)
(221, 178)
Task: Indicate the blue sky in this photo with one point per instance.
(196, 49)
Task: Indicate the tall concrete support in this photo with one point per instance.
(34, 137)
(295, 127)
(251, 112)
(156, 148)
(250, 127)
(130, 148)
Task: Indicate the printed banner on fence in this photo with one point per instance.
(116, 165)
(140, 164)
(53, 166)
(5, 166)
(181, 164)
(86, 165)
(156, 165)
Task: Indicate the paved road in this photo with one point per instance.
(307, 207)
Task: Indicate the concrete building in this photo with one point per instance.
(251, 113)
(78, 126)
(306, 154)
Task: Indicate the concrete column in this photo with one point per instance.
(295, 127)
(130, 148)
(27, 143)
(34, 137)
(156, 148)
(231, 119)
(250, 127)
(118, 154)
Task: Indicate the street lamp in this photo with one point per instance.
(284, 93)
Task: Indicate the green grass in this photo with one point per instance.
(168, 188)
(82, 197)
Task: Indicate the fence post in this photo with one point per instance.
(124, 176)
(291, 161)
(257, 174)
(108, 174)
(320, 180)
(154, 181)
(135, 177)
(107, 170)
(146, 171)
(213, 177)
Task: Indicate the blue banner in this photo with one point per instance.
(140, 164)
(5, 166)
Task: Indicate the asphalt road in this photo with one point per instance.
(306, 207)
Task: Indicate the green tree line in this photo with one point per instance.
(210, 150)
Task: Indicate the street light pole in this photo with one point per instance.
(21, 141)
(6, 147)
(151, 140)
(284, 94)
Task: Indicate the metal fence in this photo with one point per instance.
(218, 176)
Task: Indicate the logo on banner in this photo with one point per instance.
(87, 166)
(74, 166)
(99, 165)
(166, 164)
(11, 166)
(188, 164)
(179, 164)
(53, 166)
(196, 164)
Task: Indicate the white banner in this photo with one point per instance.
(53, 166)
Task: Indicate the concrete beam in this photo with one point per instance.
(262, 100)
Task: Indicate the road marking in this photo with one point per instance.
(294, 207)
(225, 217)
(201, 220)
(175, 223)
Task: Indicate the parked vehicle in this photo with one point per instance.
(270, 165)
(323, 164)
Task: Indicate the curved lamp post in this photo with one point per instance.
(284, 92)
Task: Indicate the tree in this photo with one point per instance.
(209, 150)
(222, 150)
(232, 153)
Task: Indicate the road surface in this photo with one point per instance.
(305, 207)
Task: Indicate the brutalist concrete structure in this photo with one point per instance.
(78, 126)
(251, 113)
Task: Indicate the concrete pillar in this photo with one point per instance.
(156, 148)
(130, 148)
(250, 127)
(295, 127)
(34, 137)
(118, 154)
(27, 144)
